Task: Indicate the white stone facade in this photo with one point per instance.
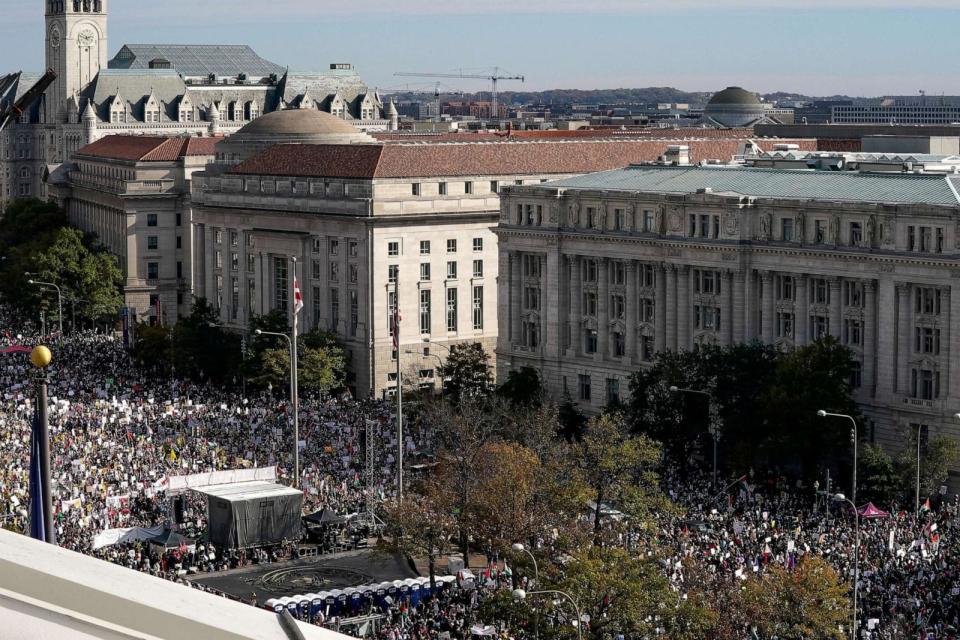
(595, 282)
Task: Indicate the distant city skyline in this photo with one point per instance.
(854, 47)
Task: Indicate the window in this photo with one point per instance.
(218, 257)
(425, 311)
(334, 247)
(451, 246)
(590, 303)
(280, 283)
(618, 220)
(152, 222)
(786, 229)
(251, 263)
(819, 231)
(618, 306)
(234, 239)
(852, 293)
(852, 332)
(317, 245)
(819, 326)
(353, 248)
(591, 217)
(468, 188)
(478, 308)
(925, 239)
(451, 310)
(856, 374)
(927, 340)
(415, 189)
(153, 270)
(234, 261)
(704, 226)
(478, 244)
(856, 234)
(925, 384)
(707, 282)
(927, 300)
(393, 271)
(646, 348)
(938, 247)
(583, 382)
(179, 244)
(911, 238)
(334, 309)
(648, 221)
(613, 391)
(152, 243)
(531, 334)
(531, 298)
(393, 248)
(478, 268)
(424, 272)
(179, 219)
(590, 341)
(234, 298)
(648, 275)
(354, 312)
(443, 188)
(494, 186)
(647, 309)
(531, 266)
(820, 291)
(784, 324)
(589, 270)
(619, 273)
(316, 270)
(452, 270)
(334, 272)
(353, 273)
(619, 344)
(424, 247)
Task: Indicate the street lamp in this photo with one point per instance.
(521, 594)
(711, 427)
(293, 401)
(519, 548)
(825, 414)
(839, 497)
(59, 299)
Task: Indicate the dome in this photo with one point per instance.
(734, 95)
(298, 122)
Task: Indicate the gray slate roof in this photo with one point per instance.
(775, 183)
(197, 59)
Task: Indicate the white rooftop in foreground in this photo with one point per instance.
(240, 491)
(48, 593)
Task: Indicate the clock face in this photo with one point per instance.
(86, 38)
(55, 38)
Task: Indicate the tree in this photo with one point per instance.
(523, 387)
(807, 602)
(28, 219)
(467, 372)
(320, 370)
(571, 420)
(878, 479)
(201, 348)
(619, 469)
(152, 347)
(940, 455)
(418, 527)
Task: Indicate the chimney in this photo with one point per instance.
(678, 154)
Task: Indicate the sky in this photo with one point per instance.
(815, 47)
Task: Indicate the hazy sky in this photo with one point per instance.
(858, 47)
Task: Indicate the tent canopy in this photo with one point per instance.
(325, 517)
(871, 511)
(171, 540)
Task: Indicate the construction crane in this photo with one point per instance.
(494, 78)
(15, 110)
(435, 92)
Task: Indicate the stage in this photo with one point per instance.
(308, 575)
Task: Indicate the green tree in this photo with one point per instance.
(878, 481)
(26, 220)
(937, 458)
(620, 470)
(809, 602)
(152, 347)
(523, 387)
(418, 527)
(321, 365)
(571, 421)
(202, 349)
(467, 372)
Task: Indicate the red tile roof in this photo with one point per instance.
(612, 132)
(149, 148)
(461, 159)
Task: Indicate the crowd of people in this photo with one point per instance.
(118, 434)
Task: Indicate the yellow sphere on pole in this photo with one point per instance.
(40, 356)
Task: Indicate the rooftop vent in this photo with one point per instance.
(784, 146)
(704, 189)
(160, 63)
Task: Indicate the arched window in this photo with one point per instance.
(252, 110)
(236, 111)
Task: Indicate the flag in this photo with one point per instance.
(925, 507)
(297, 297)
(397, 317)
(38, 529)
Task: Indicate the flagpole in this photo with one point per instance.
(41, 358)
(396, 329)
(294, 395)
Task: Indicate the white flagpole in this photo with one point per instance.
(294, 396)
(396, 330)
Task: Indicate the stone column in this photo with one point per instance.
(726, 331)
(869, 336)
(946, 333)
(660, 309)
(750, 305)
(671, 328)
(766, 280)
(801, 320)
(737, 312)
(886, 337)
(550, 323)
(603, 309)
(576, 302)
(950, 350)
(633, 319)
(515, 299)
(683, 307)
(904, 337)
(836, 321)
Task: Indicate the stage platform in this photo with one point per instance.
(308, 575)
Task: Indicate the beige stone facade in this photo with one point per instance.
(600, 277)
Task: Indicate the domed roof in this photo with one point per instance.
(734, 95)
(298, 121)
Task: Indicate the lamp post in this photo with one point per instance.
(826, 414)
(521, 594)
(519, 548)
(711, 427)
(40, 490)
(59, 299)
(839, 497)
(917, 501)
(293, 401)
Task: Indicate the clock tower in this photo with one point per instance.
(76, 49)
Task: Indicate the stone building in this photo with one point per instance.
(152, 89)
(360, 215)
(630, 262)
(133, 192)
